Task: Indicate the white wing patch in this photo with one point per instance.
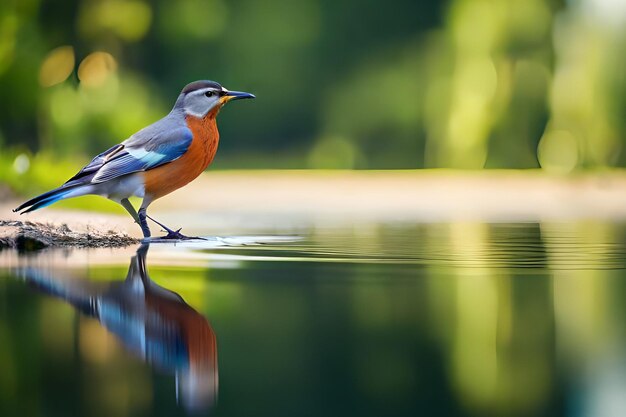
(150, 158)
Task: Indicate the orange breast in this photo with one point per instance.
(199, 336)
(169, 177)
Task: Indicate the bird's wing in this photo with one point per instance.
(138, 153)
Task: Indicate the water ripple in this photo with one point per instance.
(564, 247)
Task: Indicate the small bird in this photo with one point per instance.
(151, 321)
(155, 161)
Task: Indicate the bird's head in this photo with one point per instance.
(200, 98)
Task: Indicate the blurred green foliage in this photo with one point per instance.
(351, 84)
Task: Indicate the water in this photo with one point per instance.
(461, 319)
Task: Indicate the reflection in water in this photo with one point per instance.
(460, 319)
(151, 321)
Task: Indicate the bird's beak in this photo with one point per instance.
(237, 95)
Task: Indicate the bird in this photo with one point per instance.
(153, 322)
(154, 161)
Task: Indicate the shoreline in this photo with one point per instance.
(31, 236)
(284, 201)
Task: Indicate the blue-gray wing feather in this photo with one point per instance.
(145, 150)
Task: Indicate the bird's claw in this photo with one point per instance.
(176, 235)
(173, 234)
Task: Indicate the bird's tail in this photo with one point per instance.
(71, 291)
(50, 197)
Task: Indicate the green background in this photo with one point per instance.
(404, 84)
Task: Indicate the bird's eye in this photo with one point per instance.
(209, 94)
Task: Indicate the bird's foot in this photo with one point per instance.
(173, 234)
(176, 235)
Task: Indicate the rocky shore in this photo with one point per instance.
(28, 236)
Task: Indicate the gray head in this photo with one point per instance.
(201, 97)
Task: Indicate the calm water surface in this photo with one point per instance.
(463, 319)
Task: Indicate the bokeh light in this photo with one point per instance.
(96, 68)
(57, 66)
(127, 19)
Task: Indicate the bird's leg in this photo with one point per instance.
(130, 209)
(167, 229)
(143, 222)
(140, 218)
(173, 234)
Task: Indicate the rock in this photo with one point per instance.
(30, 236)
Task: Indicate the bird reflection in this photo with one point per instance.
(151, 321)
